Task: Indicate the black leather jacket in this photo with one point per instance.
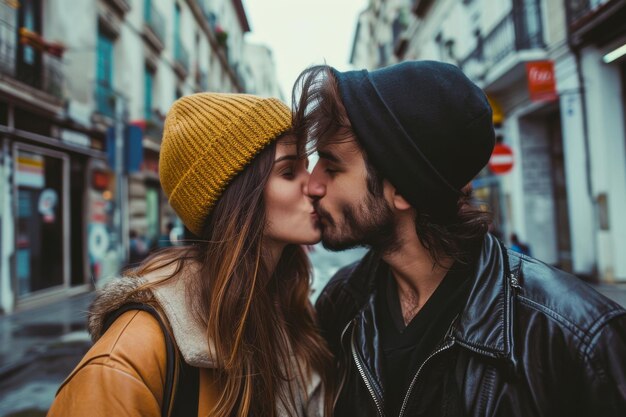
(531, 341)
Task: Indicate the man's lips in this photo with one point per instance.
(322, 215)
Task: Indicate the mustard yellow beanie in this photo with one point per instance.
(208, 139)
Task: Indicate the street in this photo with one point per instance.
(38, 349)
(41, 346)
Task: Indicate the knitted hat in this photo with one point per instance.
(208, 138)
(424, 125)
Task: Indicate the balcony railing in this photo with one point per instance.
(474, 64)
(53, 76)
(579, 9)
(520, 30)
(105, 99)
(47, 77)
(155, 22)
(500, 42)
(8, 48)
(181, 59)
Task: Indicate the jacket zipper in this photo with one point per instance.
(368, 383)
(408, 393)
(341, 343)
(515, 282)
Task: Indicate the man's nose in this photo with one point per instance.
(315, 188)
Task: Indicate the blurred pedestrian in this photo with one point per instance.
(519, 246)
(165, 240)
(234, 305)
(439, 318)
(137, 248)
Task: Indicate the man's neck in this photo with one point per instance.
(416, 273)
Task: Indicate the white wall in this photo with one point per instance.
(260, 69)
(364, 44)
(605, 111)
(538, 191)
(580, 203)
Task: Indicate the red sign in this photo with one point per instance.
(100, 180)
(501, 160)
(541, 80)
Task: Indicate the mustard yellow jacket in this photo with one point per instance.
(123, 374)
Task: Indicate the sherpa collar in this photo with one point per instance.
(189, 334)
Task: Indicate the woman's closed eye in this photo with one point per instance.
(288, 172)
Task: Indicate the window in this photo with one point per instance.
(29, 60)
(149, 79)
(105, 95)
(105, 59)
(147, 5)
(29, 16)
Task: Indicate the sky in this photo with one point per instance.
(304, 32)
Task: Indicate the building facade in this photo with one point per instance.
(84, 90)
(259, 70)
(564, 191)
(596, 69)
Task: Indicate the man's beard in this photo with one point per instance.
(369, 223)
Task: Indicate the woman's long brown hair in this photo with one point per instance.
(258, 321)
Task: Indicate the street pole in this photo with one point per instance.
(6, 230)
(120, 184)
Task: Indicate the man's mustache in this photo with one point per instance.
(323, 214)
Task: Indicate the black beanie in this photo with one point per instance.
(424, 125)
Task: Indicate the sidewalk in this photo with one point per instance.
(38, 349)
(29, 331)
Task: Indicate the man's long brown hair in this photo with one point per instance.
(257, 320)
(320, 117)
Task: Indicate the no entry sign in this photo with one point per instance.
(501, 160)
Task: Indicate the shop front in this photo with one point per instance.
(47, 200)
(41, 195)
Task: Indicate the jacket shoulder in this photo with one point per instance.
(563, 297)
(131, 355)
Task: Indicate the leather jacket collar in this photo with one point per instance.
(484, 326)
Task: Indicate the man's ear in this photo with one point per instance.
(400, 202)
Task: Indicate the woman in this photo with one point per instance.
(236, 300)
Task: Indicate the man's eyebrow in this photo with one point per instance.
(329, 156)
(292, 157)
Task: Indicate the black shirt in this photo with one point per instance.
(405, 348)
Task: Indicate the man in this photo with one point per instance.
(439, 318)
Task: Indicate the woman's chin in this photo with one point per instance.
(314, 239)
